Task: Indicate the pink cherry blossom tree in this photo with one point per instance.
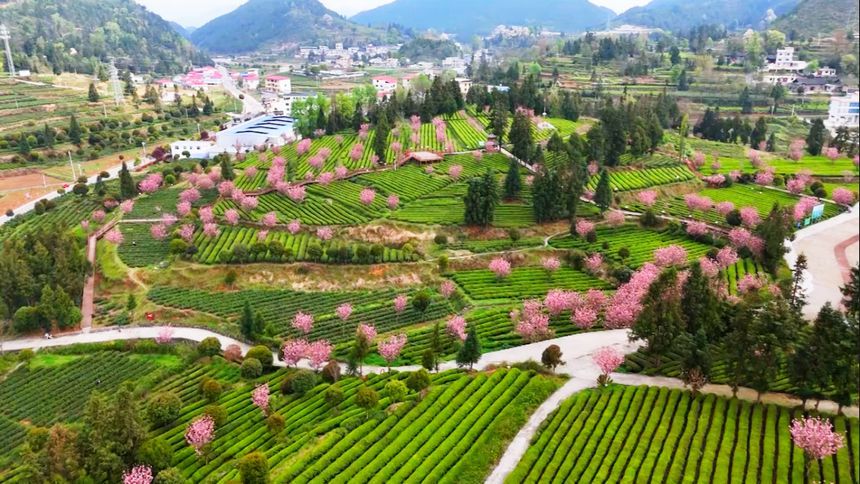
(248, 203)
(608, 360)
(260, 398)
(206, 214)
(114, 236)
(584, 227)
(843, 196)
(340, 171)
(594, 262)
(584, 317)
(344, 311)
(367, 196)
(500, 267)
(727, 257)
(795, 185)
(454, 171)
(294, 227)
(447, 289)
(270, 219)
(183, 208)
(551, 264)
(532, 324)
(168, 219)
(200, 433)
(211, 230)
(832, 153)
(137, 475)
(231, 216)
(795, 149)
(764, 178)
(400, 303)
(671, 255)
(367, 331)
(151, 183)
(697, 229)
(390, 348)
(750, 217)
(303, 322)
(456, 326)
(325, 233)
(325, 178)
(647, 197)
(294, 350)
(98, 215)
(816, 437)
(186, 232)
(615, 218)
(158, 231)
(709, 267)
(319, 353)
(226, 188)
(723, 208)
(127, 206)
(393, 202)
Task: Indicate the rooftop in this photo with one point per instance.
(263, 125)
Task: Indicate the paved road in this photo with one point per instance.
(830, 248)
(250, 105)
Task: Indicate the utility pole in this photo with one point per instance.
(115, 85)
(4, 34)
(72, 165)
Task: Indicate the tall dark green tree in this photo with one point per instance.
(796, 297)
(481, 199)
(759, 133)
(745, 101)
(127, 187)
(596, 142)
(603, 193)
(851, 293)
(695, 360)
(683, 82)
(246, 321)
(112, 431)
(701, 305)
(93, 94)
(49, 135)
(380, 140)
(521, 136)
(74, 131)
(227, 172)
(513, 181)
(661, 319)
(614, 134)
(773, 230)
(499, 120)
(470, 351)
(547, 196)
(816, 138)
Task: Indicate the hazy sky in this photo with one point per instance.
(197, 12)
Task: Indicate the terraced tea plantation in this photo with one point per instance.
(648, 434)
(627, 179)
(524, 282)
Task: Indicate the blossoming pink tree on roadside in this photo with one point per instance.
(608, 360)
(456, 326)
(390, 348)
(500, 267)
(260, 398)
(672, 255)
(294, 350)
(303, 322)
(816, 437)
(200, 433)
(137, 475)
(165, 335)
(843, 196)
(114, 236)
(551, 264)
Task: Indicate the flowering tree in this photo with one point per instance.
(344, 311)
(303, 146)
(303, 322)
(367, 196)
(248, 203)
(672, 255)
(114, 236)
(250, 172)
(696, 202)
(393, 202)
(297, 193)
(158, 231)
(843, 196)
(608, 360)
(366, 331)
(714, 180)
(750, 217)
(316, 162)
(723, 208)
(390, 348)
(803, 208)
(647, 197)
(584, 227)
(231, 216)
(594, 262)
(261, 235)
(754, 157)
(260, 397)
(294, 350)
(697, 229)
(583, 317)
(500, 267)
(200, 433)
(709, 267)
(593, 168)
(325, 178)
(764, 178)
(456, 326)
(211, 230)
(831, 153)
(137, 475)
(454, 171)
(795, 149)
(615, 218)
(319, 353)
(151, 183)
(98, 215)
(186, 231)
(750, 283)
(85, 225)
(183, 208)
(727, 257)
(551, 264)
(340, 171)
(206, 214)
(447, 288)
(558, 300)
(226, 188)
(269, 219)
(128, 205)
(795, 185)
(816, 437)
(626, 304)
(532, 324)
(325, 233)
(400, 303)
(294, 227)
(698, 160)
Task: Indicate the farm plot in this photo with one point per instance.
(139, 248)
(524, 282)
(409, 182)
(738, 270)
(69, 211)
(155, 204)
(639, 242)
(650, 434)
(625, 180)
(279, 306)
(451, 434)
(50, 394)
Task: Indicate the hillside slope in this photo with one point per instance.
(74, 35)
(470, 17)
(271, 23)
(681, 15)
(813, 17)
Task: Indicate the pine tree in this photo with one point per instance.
(547, 196)
(701, 306)
(603, 193)
(773, 231)
(470, 351)
(683, 83)
(771, 143)
(227, 168)
(745, 101)
(93, 94)
(851, 293)
(491, 197)
(436, 345)
(683, 131)
(472, 201)
(380, 140)
(513, 183)
(357, 117)
(816, 137)
(521, 136)
(797, 298)
(246, 321)
(696, 360)
(759, 133)
(49, 135)
(127, 187)
(499, 121)
(661, 319)
(74, 131)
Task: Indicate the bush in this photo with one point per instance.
(440, 239)
(366, 398)
(218, 414)
(163, 408)
(209, 346)
(170, 476)
(233, 353)
(649, 219)
(396, 390)
(254, 468)
(623, 253)
(251, 368)
(261, 354)
(418, 380)
(333, 396)
(514, 235)
(303, 381)
(591, 237)
(210, 389)
(733, 218)
(331, 372)
(551, 357)
(156, 453)
(275, 422)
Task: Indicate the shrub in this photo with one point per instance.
(551, 357)
(733, 218)
(210, 389)
(396, 390)
(254, 468)
(623, 253)
(303, 381)
(649, 219)
(25, 355)
(331, 372)
(275, 423)
(209, 346)
(418, 380)
(156, 453)
(333, 396)
(163, 408)
(251, 368)
(261, 354)
(218, 414)
(170, 476)
(440, 239)
(233, 353)
(366, 398)
(591, 237)
(421, 301)
(514, 235)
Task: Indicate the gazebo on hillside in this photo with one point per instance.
(422, 157)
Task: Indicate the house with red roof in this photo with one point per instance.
(384, 84)
(279, 84)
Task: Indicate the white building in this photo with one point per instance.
(384, 84)
(464, 83)
(825, 71)
(243, 137)
(290, 99)
(844, 111)
(785, 61)
(279, 84)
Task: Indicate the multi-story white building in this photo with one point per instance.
(844, 111)
(785, 61)
(465, 84)
(279, 84)
(384, 84)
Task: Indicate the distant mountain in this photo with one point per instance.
(813, 17)
(182, 30)
(268, 23)
(469, 17)
(681, 15)
(76, 35)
